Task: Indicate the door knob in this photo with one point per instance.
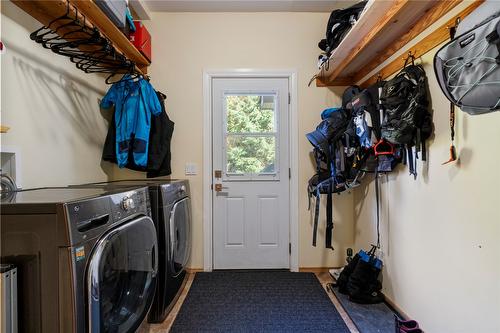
(219, 188)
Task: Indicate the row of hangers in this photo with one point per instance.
(72, 36)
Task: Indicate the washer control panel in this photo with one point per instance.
(129, 203)
(90, 218)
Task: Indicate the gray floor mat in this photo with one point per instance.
(368, 318)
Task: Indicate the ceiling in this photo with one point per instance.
(246, 5)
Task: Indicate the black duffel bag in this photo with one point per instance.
(339, 24)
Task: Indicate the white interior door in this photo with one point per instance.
(250, 173)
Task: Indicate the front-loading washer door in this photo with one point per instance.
(180, 235)
(121, 277)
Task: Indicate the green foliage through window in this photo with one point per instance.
(250, 114)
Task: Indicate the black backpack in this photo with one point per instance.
(407, 120)
(339, 24)
(363, 285)
(359, 279)
(375, 155)
(334, 156)
(367, 102)
(347, 96)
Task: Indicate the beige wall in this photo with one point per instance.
(185, 44)
(441, 232)
(51, 107)
(56, 124)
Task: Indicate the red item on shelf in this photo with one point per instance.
(141, 39)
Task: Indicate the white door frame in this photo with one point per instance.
(208, 75)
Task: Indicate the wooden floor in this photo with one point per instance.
(164, 327)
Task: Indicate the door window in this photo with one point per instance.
(251, 136)
(121, 277)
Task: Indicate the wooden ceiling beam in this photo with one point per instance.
(394, 10)
(428, 43)
(432, 15)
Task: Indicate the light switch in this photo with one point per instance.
(191, 169)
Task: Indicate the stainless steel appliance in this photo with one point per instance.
(171, 212)
(8, 298)
(86, 258)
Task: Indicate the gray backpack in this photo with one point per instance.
(468, 67)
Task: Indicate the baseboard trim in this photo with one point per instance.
(301, 269)
(396, 307)
(315, 269)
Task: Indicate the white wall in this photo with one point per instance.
(185, 44)
(441, 232)
(51, 108)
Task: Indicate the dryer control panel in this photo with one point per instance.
(174, 191)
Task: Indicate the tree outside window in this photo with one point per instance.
(251, 134)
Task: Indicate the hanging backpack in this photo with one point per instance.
(339, 24)
(347, 96)
(333, 158)
(468, 67)
(374, 154)
(407, 120)
(366, 117)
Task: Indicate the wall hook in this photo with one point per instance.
(410, 56)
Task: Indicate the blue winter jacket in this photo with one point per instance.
(134, 103)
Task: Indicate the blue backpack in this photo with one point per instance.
(334, 153)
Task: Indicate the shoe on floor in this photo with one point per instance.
(406, 326)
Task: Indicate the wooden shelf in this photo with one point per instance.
(46, 11)
(383, 28)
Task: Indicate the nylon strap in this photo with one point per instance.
(418, 140)
(453, 29)
(378, 207)
(309, 196)
(424, 151)
(498, 56)
(411, 163)
(316, 215)
(329, 203)
(452, 121)
(318, 197)
(342, 157)
(329, 217)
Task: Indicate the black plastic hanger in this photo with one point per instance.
(35, 34)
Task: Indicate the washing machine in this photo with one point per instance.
(171, 212)
(87, 259)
